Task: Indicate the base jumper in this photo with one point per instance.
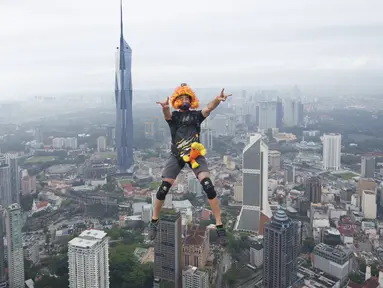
(184, 123)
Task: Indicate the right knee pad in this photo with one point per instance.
(163, 190)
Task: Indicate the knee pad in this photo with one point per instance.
(208, 187)
(163, 190)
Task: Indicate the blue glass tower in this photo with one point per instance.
(124, 113)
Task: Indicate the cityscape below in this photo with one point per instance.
(299, 180)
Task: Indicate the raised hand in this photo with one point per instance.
(222, 97)
(165, 103)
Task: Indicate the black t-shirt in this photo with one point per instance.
(185, 129)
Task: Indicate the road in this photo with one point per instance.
(223, 266)
(258, 277)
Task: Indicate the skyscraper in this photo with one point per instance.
(268, 114)
(5, 183)
(3, 276)
(255, 205)
(314, 189)
(368, 167)
(281, 244)
(88, 257)
(15, 247)
(168, 248)
(332, 145)
(14, 171)
(124, 113)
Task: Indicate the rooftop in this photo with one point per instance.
(83, 243)
(341, 253)
(195, 236)
(92, 233)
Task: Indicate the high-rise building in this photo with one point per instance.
(3, 275)
(314, 189)
(101, 143)
(88, 257)
(332, 145)
(255, 205)
(369, 206)
(281, 244)
(192, 277)
(168, 248)
(289, 174)
(14, 170)
(111, 135)
(368, 167)
(293, 112)
(5, 183)
(15, 247)
(268, 115)
(39, 134)
(207, 138)
(124, 111)
(274, 160)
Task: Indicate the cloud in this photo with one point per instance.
(67, 46)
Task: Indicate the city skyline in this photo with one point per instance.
(286, 47)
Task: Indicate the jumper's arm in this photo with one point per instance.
(167, 113)
(210, 107)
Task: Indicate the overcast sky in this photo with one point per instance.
(51, 46)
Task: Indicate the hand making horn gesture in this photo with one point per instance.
(222, 97)
(165, 103)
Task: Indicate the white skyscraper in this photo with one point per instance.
(332, 145)
(88, 257)
(15, 247)
(267, 115)
(101, 143)
(255, 205)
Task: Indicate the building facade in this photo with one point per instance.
(313, 187)
(3, 275)
(281, 245)
(14, 170)
(332, 145)
(192, 278)
(5, 183)
(124, 110)
(88, 257)
(367, 167)
(15, 247)
(196, 247)
(255, 205)
(168, 248)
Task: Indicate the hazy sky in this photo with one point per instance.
(51, 46)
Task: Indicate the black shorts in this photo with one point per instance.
(174, 166)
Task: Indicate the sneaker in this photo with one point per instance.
(153, 230)
(221, 233)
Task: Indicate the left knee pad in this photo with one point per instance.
(208, 187)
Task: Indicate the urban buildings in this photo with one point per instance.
(332, 145)
(168, 249)
(369, 206)
(5, 183)
(274, 160)
(289, 174)
(334, 261)
(101, 144)
(255, 205)
(281, 245)
(314, 189)
(14, 225)
(192, 278)
(293, 113)
(14, 171)
(3, 276)
(88, 257)
(256, 254)
(367, 167)
(124, 113)
(267, 115)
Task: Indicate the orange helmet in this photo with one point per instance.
(184, 89)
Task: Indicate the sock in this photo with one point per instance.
(219, 226)
(154, 220)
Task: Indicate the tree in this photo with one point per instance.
(49, 282)
(308, 245)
